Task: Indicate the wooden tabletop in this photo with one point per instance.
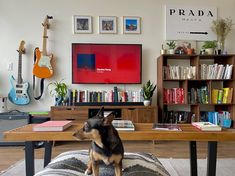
(143, 132)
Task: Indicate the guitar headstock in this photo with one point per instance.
(21, 47)
(46, 23)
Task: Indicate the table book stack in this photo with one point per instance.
(207, 126)
(123, 125)
(53, 125)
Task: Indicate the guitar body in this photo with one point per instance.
(42, 67)
(19, 92)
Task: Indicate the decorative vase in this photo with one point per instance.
(58, 101)
(147, 102)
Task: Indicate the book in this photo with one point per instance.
(123, 125)
(53, 125)
(166, 127)
(206, 126)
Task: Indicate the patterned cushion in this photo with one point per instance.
(73, 163)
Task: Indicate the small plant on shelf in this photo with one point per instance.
(209, 46)
(58, 89)
(171, 45)
(148, 90)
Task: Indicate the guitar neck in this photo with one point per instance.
(44, 45)
(19, 78)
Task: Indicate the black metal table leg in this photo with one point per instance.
(212, 156)
(193, 158)
(47, 154)
(29, 158)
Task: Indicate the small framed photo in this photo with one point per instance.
(82, 24)
(107, 24)
(131, 25)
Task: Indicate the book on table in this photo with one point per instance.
(123, 125)
(53, 125)
(166, 127)
(206, 126)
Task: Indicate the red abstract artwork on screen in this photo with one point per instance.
(106, 63)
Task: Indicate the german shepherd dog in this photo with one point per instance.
(106, 144)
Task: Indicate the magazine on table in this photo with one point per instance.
(166, 127)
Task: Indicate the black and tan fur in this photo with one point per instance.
(106, 144)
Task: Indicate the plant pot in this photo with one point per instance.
(189, 51)
(171, 51)
(147, 102)
(58, 101)
(209, 50)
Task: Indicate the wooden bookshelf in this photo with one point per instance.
(197, 82)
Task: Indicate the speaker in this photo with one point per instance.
(11, 120)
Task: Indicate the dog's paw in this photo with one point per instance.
(88, 172)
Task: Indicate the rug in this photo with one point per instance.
(176, 167)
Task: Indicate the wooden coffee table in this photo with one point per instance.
(143, 132)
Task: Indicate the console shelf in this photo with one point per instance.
(134, 112)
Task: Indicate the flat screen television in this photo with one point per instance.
(106, 63)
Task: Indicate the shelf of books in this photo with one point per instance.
(196, 88)
(115, 96)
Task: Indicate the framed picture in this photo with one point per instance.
(82, 24)
(131, 25)
(107, 24)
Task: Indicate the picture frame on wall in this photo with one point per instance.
(107, 24)
(131, 25)
(82, 24)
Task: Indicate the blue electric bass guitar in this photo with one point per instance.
(19, 91)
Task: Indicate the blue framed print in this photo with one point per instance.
(131, 25)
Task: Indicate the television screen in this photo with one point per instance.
(106, 63)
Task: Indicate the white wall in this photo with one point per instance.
(21, 19)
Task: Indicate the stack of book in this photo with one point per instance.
(198, 95)
(222, 96)
(53, 125)
(216, 71)
(123, 125)
(177, 116)
(116, 95)
(206, 126)
(179, 72)
(173, 96)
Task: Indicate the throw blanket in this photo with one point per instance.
(73, 163)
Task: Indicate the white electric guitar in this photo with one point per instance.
(19, 91)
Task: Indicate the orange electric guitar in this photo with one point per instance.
(42, 67)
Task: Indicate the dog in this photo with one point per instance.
(106, 144)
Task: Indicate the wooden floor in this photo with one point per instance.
(163, 149)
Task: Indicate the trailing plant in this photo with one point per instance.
(148, 90)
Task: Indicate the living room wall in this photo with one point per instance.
(21, 20)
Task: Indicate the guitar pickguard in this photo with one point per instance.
(19, 92)
(45, 62)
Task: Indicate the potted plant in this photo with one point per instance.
(221, 27)
(148, 90)
(58, 89)
(171, 45)
(209, 46)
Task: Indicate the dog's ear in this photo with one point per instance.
(107, 121)
(100, 113)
